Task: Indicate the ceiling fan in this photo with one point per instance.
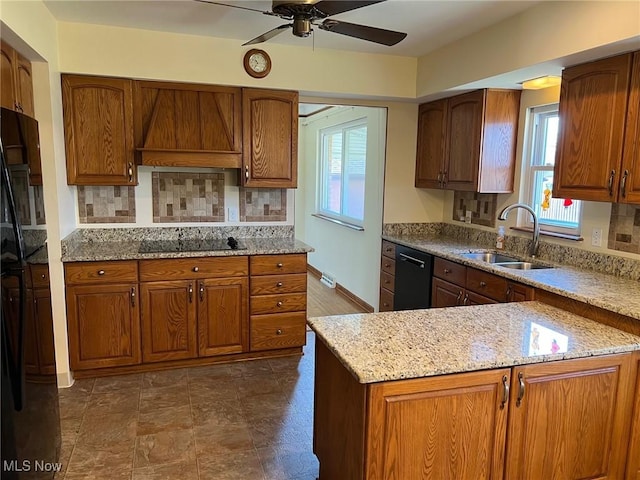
(304, 14)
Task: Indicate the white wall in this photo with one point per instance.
(347, 254)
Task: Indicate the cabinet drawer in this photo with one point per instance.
(487, 284)
(450, 271)
(286, 302)
(270, 284)
(40, 276)
(386, 300)
(388, 249)
(278, 331)
(277, 264)
(388, 265)
(387, 281)
(101, 272)
(193, 268)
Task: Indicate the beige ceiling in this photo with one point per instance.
(429, 24)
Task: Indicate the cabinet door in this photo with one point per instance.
(516, 292)
(464, 134)
(432, 121)
(43, 319)
(222, 316)
(270, 138)
(630, 171)
(633, 456)
(593, 104)
(452, 426)
(445, 294)
(169, 320)
(104, 326)
(572, 421)
(7, 77)
(30, 342)
(98, 130)
(24, 85)
(471, 298)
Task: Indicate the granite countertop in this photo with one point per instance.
(378, 347)
(616, 294)
(128, 250)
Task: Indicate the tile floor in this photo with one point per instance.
(246, 421)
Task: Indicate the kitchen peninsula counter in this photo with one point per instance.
(518, 390)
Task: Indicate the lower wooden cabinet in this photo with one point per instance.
(567, 419)
(387, 276)
(103, 325)
(633, 455)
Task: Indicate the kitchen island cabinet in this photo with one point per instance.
(476, 400)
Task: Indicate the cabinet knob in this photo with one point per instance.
(196, 269)
(280, 265)
(278, 332)
(279, 284)
(483, 284)
(386, 281)
(43, 276)
(279, 304)
(100, 272)
(447, 271)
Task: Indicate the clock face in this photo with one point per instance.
(257, 63)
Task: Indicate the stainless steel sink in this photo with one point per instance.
(522, 265)
(490, 257)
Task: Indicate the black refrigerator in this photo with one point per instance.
(30, 419)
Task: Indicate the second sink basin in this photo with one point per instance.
(490, 257)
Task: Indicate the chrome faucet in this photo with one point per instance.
(536, 226)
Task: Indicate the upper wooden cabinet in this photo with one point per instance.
(189, 125)
(270, 138)
(598, 109)
(468, 142)
(98, 130)
(17, 81)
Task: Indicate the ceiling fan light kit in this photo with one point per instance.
(304, 14)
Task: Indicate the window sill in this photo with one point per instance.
(338, 222)
(546, 233)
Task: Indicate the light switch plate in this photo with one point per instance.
(232, 214)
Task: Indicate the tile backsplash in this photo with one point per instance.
(263, 204)
(187, 197)
(624, 228)
(482, 205)
(106, 204)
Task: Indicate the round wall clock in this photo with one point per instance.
(257, 63)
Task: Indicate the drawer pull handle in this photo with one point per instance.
(466, 299)
(278, 332)
(130, 172)
(279, 284)
(483, 284)
(447, 271)
(458, 298)
(385, 304)
(279, 304)
(196, 269)
(280, 265)
(133, 296)
(386, 281)
(100, 272)
(611, 177)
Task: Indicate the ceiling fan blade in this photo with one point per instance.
(364, 32)
(333, 7)
(236, 6)
(268, 35)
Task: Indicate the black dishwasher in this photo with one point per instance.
(413, 279)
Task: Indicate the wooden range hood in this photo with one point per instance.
(188, 125)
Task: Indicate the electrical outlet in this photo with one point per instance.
(232, 214)
(596, 237)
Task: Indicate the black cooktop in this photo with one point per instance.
(190, 245)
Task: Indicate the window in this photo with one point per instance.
(343, 155)
(555, 214)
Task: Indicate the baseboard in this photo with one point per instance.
(343, 291)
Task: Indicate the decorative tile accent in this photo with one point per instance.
(624, 228)
(482, 205)
(187, 197)
(106, 204)
(263, 204)
(38, 195)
